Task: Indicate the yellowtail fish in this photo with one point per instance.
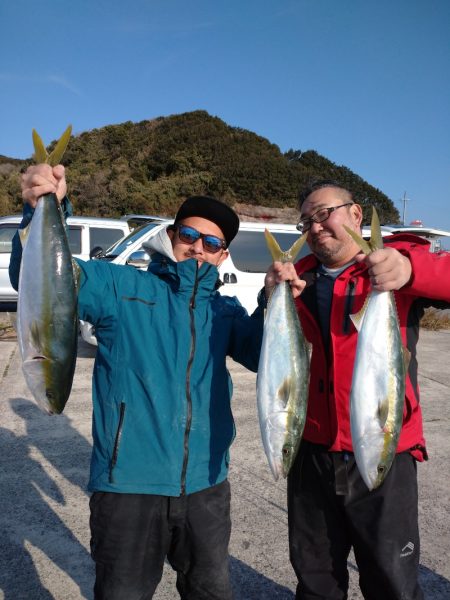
(47, 324)
(379, 374)
(283, 372)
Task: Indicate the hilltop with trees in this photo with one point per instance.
(149, 167)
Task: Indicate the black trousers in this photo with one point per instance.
(132, 534)
(331, 510)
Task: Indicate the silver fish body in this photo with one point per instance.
(47, 325)
(282, 381)
(378, 388)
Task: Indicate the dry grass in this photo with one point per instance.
(7, 330)
(434, 320)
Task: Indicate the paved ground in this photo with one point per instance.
(44, 505)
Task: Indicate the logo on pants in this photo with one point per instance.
(407, 550)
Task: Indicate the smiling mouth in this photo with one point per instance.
(321, 237)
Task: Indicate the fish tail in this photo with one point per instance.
(278, 254)
(376, 238)
(40, 153)
(55, 156)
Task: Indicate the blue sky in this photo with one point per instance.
(366, 83)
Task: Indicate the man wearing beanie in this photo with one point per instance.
(162, 421)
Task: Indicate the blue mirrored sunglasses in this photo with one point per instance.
(189, 235)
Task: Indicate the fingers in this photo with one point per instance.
(279, 272)
(43, 179)
(388, 269)
(284, 271)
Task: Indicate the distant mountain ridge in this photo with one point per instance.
(151, 166)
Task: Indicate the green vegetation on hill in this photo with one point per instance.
(149, 167)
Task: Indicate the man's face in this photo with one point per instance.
(183, 251)
(328, 240)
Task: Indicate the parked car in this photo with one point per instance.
(242, 273)
(84, 234)
(136, 220)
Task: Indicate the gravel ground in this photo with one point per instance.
(44, 503)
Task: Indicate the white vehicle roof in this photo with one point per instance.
(75, 220)
(428, 232)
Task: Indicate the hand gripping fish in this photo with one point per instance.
(47, 325)
(379, 373)
(283, 372)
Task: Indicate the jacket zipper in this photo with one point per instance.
(350, 298)
(115, 453)
(188, 386)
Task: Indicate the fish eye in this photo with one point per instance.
(49, 393)
(286, 451)
(381, 469)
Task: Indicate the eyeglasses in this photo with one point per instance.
(189, 235)
(320, 216)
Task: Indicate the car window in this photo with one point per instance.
(7, 232)
(104, 237)
(74, 237)
(123, 244)
(250, 253)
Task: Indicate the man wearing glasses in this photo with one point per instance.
(161, 398)
(330, 507)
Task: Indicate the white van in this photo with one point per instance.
(84, 234)
(242, 273)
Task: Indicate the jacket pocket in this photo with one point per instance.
(136, 314)
(115, 453)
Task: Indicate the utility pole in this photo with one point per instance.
(405, 200)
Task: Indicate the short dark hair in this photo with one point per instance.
(318, 184)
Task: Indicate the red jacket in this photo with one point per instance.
(328, 417)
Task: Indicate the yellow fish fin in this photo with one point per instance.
(40, 153)
(23, 235)
(54, 158)
(365, 247)
(358, 318)
(277, 253)
(284, 391)
(36, 335)
(376, 238)
(383, 412)
(61, 145)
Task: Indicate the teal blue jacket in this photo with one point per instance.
(162, 392)
(162, 420)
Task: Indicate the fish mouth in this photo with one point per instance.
(275, 467)
(36, 360)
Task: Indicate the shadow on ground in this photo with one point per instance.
(27, 491)
(248, 584)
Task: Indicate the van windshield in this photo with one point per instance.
(123, 243)
(249, 250)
